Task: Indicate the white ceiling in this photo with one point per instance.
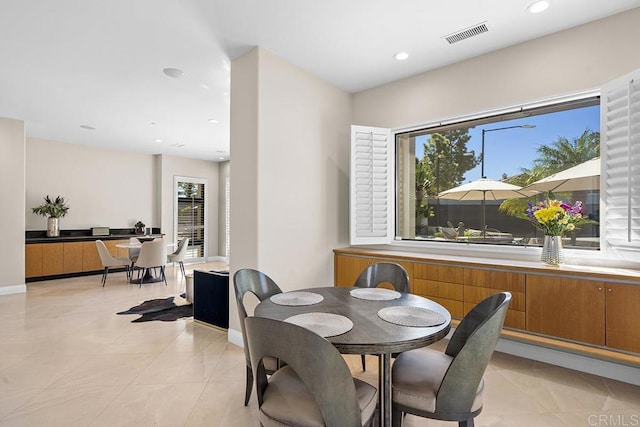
(68, 63)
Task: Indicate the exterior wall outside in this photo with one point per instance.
(12, 177)
(290, 145)
(573, 60)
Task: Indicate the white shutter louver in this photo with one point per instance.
(371, 191)
(620, 148)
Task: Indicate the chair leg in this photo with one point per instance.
(364, 362)
(248, 386)
(164, 276)
(104, 276)
(182, 269)
(144, 271)
(396, 418)
(466, 423)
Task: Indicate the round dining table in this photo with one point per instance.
(369, 334)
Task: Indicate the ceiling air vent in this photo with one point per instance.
(466, 33)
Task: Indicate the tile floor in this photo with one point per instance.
(66, 359)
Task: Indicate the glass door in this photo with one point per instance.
(190, 217)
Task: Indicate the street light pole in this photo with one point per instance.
(492, 130)
(484, 219)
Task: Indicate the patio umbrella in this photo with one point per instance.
(485, 189)
(585, 176)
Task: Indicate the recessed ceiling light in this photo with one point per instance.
(401, 56)
(87, 127)
(204, 86)
(538, 6)
(220, 158)
(158, 140)
(213, 121)
(176, 73)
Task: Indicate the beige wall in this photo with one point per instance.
(569, 61)
(112, 188)
(12, 177)
(289, 143)
(102, 187)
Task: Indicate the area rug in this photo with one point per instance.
(164, 309)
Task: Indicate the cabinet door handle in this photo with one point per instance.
(609, 289)
(599, 288)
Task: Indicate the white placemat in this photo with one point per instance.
(411, 316)
(323, 324)
(296, 298)
(375, 294)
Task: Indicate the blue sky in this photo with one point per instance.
(508, 150)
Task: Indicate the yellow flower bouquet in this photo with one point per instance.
(555, 217)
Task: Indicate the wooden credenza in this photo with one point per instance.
(594, 308)
(65, 258)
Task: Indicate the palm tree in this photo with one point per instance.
(561, 154)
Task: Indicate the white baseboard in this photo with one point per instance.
(235, 337)
(16, 289)
(577, 362)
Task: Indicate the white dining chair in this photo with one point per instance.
(109, 260)
(152, 255)
(180, 254)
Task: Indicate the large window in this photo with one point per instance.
(447, 176)
(594, 139)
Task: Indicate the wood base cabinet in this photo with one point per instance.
(347, 269)
(592, 309)
(567, 308)
(52, 259)
(622, 319)
(442, 284)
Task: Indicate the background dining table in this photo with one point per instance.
(148, 277)
(370, 334)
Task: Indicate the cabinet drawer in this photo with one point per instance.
(475, 294)
(432, 288)
(510, 281)
(455, 308)
(514, 319)
(440, 273)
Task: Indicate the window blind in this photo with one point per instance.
(620, 147)
(371, 176)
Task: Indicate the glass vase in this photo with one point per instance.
(552, 252)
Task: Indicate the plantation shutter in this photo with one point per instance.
(620, 149)
(371, 186)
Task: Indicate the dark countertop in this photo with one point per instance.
(40, 236)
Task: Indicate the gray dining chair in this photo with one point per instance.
(379, 273)
(263, 287)
(449, 386)
(315, 388)
(109, 261)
